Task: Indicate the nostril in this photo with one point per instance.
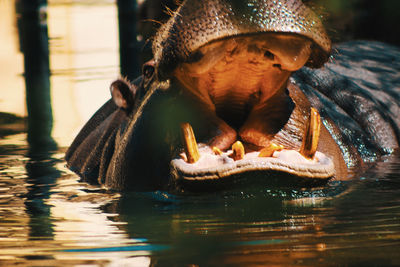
(195, 57)
(279, 66)
(269, 55)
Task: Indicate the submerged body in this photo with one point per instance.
(239, 82)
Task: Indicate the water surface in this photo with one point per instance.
(47, 217)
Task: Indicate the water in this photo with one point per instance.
(49, 218)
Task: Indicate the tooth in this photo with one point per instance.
(217, 151)
(269, 150)
(238, 150)
(311, 135)
(190, 144)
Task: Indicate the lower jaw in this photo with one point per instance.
(203, 164)
(211, 167)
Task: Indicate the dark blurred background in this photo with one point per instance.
(360, 19)
(344, 19)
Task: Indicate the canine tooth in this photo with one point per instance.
(238, 150)
(190, 144)
(217, 151)
(311, 135)
(269, 150)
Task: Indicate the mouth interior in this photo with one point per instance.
(241, 81)
(235, 75)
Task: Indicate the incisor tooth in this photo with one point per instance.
(190, 144)
(311, 135)
(238, 150)
(217, 151)
(269, 150)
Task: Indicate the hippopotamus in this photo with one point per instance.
(244, 88)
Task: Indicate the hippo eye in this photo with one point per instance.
(148, 71)
(269, 55)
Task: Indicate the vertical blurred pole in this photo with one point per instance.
(32, 25)
(128, 44)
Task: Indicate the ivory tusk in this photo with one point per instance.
(311, 135)
(190, 144)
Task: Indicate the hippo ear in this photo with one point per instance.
(123, 94)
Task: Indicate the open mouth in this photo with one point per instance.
(241, 85)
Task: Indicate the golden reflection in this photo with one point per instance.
(79, 223)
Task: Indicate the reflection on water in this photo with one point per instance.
(46, 214)
(49, 218)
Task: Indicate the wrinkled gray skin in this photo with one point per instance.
(130, 141)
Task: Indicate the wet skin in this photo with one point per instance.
(247, 84)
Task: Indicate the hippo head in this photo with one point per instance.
(217, 101)
(237, 63)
